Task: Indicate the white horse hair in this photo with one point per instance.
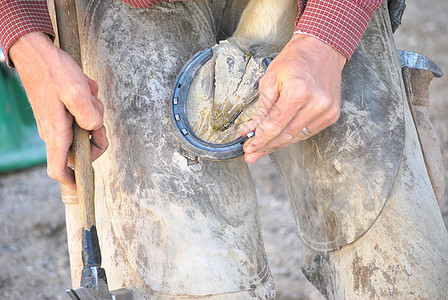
(266, 25)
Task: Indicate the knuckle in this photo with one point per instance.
(98, 103)
(41, 133)
(303, 90)
(94, 124)
(54, 173)
(297, 99)
(287, 136)
(276, 112)
(334, 118)
(299, 138)
(300, 87)
(323, 103)
(94, 85)
(273, 128)
(75, 93)
(263, 105)
(333, 114)
(262, 111)
(267, 80)
(89, 118)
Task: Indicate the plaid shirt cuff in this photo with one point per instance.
(339, 23)
(145, 3)
(20, 17)
(142, 3)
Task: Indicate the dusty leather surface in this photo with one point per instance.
(173, 226)
(403, 255)
(340, 179)
(170, 225)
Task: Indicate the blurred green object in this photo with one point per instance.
(20, 145)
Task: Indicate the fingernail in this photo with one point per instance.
(250, 134)
(251, 159)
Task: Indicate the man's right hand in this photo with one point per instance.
(58, 91)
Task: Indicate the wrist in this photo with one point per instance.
(31, 48)
(319, 48)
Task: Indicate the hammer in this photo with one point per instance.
(418, 71)
(93, 278)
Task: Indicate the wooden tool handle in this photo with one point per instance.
(84, 175)
(69, 42)
(66, 16)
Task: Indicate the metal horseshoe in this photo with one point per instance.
(178, 106)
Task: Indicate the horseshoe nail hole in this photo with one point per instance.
(194, 163)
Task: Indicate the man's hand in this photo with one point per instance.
(58, 91)
(300, 89)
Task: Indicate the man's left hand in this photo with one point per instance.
(299, 96)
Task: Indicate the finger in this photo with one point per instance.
(315, 128)
(99, 145)
(284, 140)
(279, 116)
(302, 127)
(253, 157)
(295, 132)
(93, 86)
(99, 142)
(281, 141)
(247, 127)
(305, 125)
(268, 96)
(98, 104)
(58, 141)
(40, 129)
(78, 100)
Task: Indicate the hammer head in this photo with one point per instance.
(418, 61)
(94, 287)
(86, 294)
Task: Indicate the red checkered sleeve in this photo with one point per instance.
(145, 3)
(18, 17)
(142, 3)
(339, 23)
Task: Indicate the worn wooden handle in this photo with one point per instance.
(91, 254)
(68, 34)
(84, 175)
(66, 16)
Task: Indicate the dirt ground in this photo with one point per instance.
(33, 253)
